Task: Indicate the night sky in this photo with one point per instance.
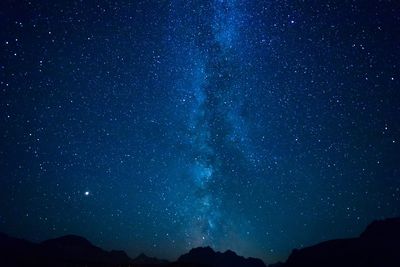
(158, 126)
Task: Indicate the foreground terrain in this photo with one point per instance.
(378, 245)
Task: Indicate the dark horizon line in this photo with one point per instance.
(170, 260)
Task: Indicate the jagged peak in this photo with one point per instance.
(202, 249)
(230, 253)
(142, 256)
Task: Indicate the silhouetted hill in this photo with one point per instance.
(119, 256)
(15, 251)
(383, 231)
(143, 259)
(10, 244)
(68, 250)
(277, 264)
(378, 245)
(207, 256)
(72, 248)
(69, 241)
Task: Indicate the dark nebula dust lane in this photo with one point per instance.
(159, 126)
(214, 132)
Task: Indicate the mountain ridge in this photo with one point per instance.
(207, 256)
(378, 245)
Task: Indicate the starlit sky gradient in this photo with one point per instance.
(159, 126)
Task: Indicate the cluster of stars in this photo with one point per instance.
(157, 126)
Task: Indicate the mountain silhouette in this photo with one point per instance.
(207, 256)
(378, 245)
(17, 252)
(70, 250)
(143, 259)
(74, 248)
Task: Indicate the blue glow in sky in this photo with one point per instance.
(158, 126)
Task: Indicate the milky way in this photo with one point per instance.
(158, 126)
(215, 128)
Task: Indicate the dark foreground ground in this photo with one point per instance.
(377, 246)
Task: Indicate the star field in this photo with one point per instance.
(159, 126)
